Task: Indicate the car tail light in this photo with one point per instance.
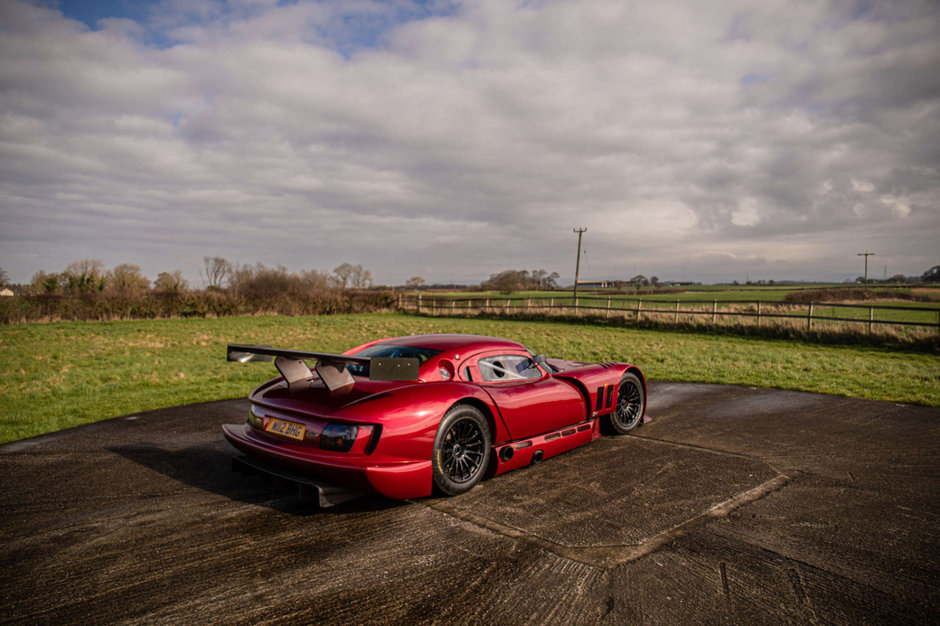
(338, 437)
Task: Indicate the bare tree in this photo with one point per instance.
(216, 271)
(314, 282)
(639, 281)
(361, 277)
(343, 274)
(127, 279)
(84, 276)
(170, 281)
(538, 278)
(507, 281)
(414, 282)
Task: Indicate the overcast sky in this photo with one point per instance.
(705, 141)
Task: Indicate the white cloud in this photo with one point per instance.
(453, 142)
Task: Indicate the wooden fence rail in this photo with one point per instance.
(638, 308)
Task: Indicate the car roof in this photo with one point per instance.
(448, 342)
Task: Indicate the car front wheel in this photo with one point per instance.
(461, 450)
(631, 404)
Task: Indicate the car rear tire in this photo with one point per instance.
(631, 405)
(461, 450)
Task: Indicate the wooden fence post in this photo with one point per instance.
(419, 303)
(676, 320)
(809, 318)
(608, 307)
(758, 313)
(871, 317)
(639, 307)
(714, 311)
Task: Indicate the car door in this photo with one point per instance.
(529, 399)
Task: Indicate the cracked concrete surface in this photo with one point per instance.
(733, 504)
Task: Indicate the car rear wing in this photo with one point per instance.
(331, 368)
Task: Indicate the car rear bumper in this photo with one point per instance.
(399, 480)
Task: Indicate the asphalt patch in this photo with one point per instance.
(732, 504)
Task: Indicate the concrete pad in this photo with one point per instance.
(644, 491)
(732, 504)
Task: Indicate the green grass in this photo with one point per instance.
(743, 300)
(751, 294)
(53, 376)
(726, 296)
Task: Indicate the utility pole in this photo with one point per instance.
(866, 254)
(577, 265)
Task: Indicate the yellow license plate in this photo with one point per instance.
(288, 429)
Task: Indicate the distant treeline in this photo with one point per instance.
(207, 303)
(84, 291)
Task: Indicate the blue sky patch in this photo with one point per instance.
(90, 11)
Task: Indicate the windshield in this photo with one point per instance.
(388, 350)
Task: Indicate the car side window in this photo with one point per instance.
(505, 367)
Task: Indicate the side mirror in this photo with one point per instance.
(542, 360)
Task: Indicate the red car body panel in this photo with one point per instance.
(397, 421)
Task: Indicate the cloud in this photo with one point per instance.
(454, 140)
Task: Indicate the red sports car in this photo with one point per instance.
(406, 416)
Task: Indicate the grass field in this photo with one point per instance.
(722, 293)
(53, 376)
(897, 321)
(726, 297)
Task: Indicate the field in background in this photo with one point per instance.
(881, 316)
(718, 292)
(53, 376)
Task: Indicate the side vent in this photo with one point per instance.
(600, 399)
(610, 396)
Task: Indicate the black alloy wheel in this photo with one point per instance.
(461, 450)
(631, 404)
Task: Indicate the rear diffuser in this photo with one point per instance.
(326, 494)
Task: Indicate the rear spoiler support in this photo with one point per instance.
(331, 368)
